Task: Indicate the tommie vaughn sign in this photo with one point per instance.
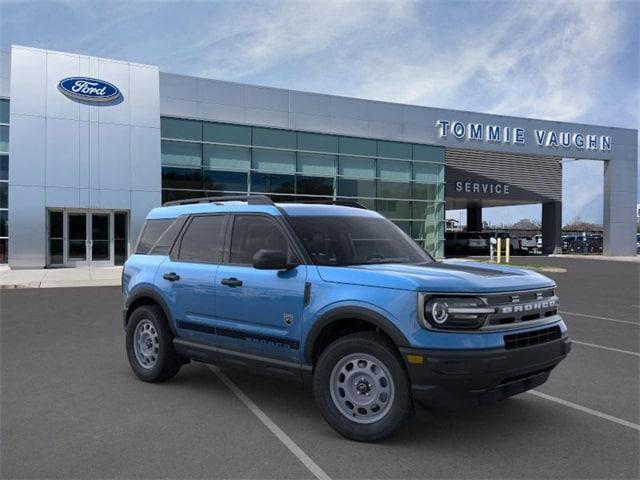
(88, 89)
(516, 135)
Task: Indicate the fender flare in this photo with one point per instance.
(149, 292)
(356, 313)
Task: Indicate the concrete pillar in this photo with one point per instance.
(552, 227)
(620, 198)
(474, 219)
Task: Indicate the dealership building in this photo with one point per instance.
(89, 145)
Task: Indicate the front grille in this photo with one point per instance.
(517, 307)
(535, 337)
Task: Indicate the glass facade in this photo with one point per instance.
(403, 181)
(4, 180)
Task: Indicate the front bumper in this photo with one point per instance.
(455, 378)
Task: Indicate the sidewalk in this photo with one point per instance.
(61, 277)
(634, 259)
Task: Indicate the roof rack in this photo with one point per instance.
(250, 199)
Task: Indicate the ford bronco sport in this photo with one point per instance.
(337, 295)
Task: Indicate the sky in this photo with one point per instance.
(564, 60)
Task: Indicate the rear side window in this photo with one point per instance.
(252, 233)
(168, 238)
(151, 232)
(203, 241)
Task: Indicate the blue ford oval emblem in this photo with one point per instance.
(89, 89)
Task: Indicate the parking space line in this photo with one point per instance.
(601, 318)
(628, 352)
(590, 411)
(270, 424)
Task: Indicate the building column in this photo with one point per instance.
(552, 227)
(474, 219)
(620, 198)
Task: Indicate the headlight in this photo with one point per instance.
(455, 312)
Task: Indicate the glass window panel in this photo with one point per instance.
(225, 133)
(4, 195)
(357, 167)
(394, 150)
(428, 172)
(120, 237)
(227, 158)
(4, 167)
(4, 139)
(120, 252)
(77, 225)
(120, 225)
(172, 195)
(358, 146)
(56, 247)
(204, 239)
(4, 255)
(404, 226)
(317, 143)
(394, 208)
(55, 224)
(178, 128)
(425, 191)
(428, 153)
(356, 188)
(424, 230)
(393, 189)
(274, 161)
(431, 212)
(395, 171)
(230, 181)
(4, 223)
(4, 111)
(270, 183)
(190, 178)
(316, 164)
(252, 233)
(180, 153)
(271, 137)
(314, 186)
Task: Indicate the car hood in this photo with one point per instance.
(445, 276)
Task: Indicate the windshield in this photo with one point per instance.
(341, 241)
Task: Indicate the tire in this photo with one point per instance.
(153, 358)
(376, 386)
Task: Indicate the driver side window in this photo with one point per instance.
(252, 233)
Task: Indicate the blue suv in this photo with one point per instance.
(337, 295)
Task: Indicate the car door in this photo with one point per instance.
(259, 311)
(188, 276)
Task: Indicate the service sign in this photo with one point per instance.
(88, 89)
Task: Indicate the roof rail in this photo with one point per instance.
(250, 199)
(343, 203)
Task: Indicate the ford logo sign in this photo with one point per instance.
(89, 89)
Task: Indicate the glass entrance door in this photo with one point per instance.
(100, 240)
(81, 238)
(77, 238)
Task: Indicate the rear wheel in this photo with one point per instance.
(361, 387)
(150, 345)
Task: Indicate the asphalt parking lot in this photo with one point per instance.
(71, 407)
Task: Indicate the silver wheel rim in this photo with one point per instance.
(146, 344)
(362, 388)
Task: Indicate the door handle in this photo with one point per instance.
(231, 282)
(171, 276)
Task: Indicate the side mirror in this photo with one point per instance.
(271, 260)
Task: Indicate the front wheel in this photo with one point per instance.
(150, 345)
(361, 387)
